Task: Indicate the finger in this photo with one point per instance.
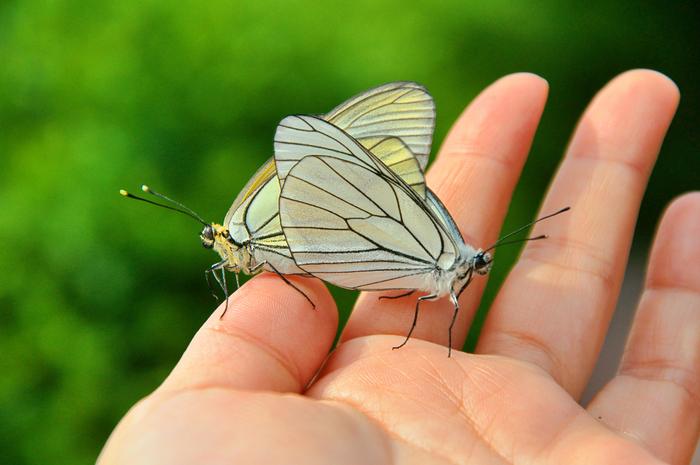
(271, 339)
(474, 175)
(655, 396)
(554, 308)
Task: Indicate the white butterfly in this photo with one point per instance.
(353, 222)
(395, 121)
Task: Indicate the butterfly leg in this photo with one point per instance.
(225, 286)
(290, 283)
(415, 318)
(392, 297)
(209, 284)
(454, 297)
(455, 302)
(466, 282)
(211, 270)
(256, 268)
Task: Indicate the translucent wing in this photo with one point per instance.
(398, 158)
(254, 214)
(402, 109)
(261, 177)
(350, 220)
(399, 109)
(301, 135)
(254, 217)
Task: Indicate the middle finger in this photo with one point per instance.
(474, 175)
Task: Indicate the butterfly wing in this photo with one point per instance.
(349, 219)
(396, 156)
(261, 177)
(403, 109)
(398, 109)
(254, 217)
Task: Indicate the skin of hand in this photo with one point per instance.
(243, 390)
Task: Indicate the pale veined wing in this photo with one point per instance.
(400, 109)
(404, 110)
(396, 156)
(255, 220)
(351, 221)
(389, 120)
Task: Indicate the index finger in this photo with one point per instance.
(270, 339)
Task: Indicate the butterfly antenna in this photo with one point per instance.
(184, 210)
(500, 241)
(518, 241)
(192, 213)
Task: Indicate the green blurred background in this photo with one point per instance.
(99, 296)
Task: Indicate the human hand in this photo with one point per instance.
(242, 392)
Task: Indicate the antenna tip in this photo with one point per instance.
(145, 188)
(123, 192)
(566, 209)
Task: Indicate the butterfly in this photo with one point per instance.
(394, 121)
(351, 221)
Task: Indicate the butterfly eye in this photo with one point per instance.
(482, 263)
(207, 237)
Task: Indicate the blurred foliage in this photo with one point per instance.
(99, 296)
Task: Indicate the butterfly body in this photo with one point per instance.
(236, 257)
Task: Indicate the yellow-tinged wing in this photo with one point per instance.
(254, 217)
(261, 177)
(254, 214)
(398, 158)
(398, 109)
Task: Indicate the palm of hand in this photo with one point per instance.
(243, 391)
(426, 408)
(378, 406)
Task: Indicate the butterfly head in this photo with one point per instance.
(477, 262)
(217, 237)
(214, 236)
(207, 236)
(482, 262)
